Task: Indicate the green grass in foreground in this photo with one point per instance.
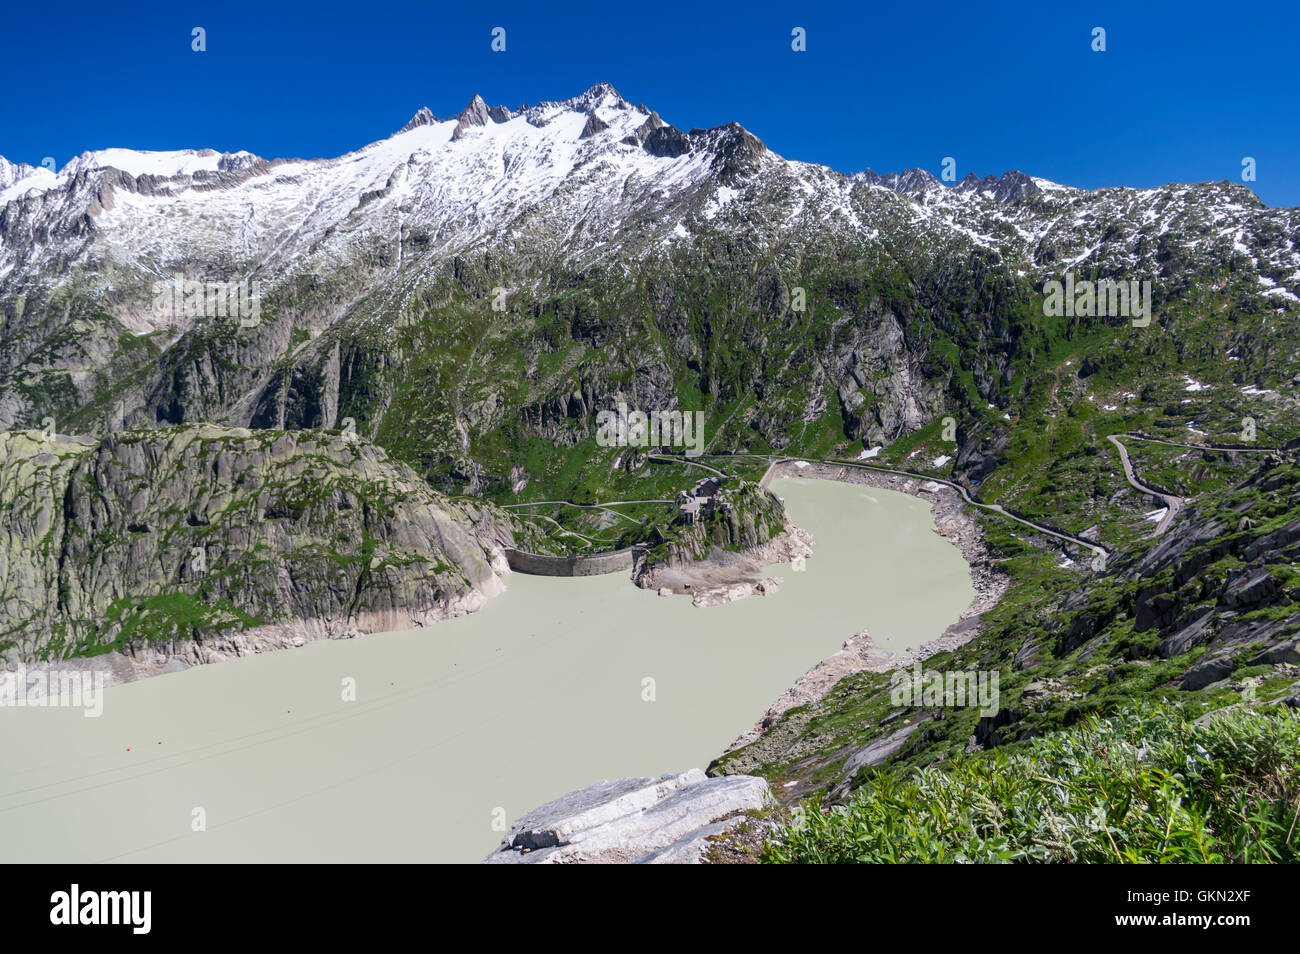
(1147, 785)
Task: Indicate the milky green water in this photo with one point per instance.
(467, 723)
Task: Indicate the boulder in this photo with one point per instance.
(876, 753)
(1190, 636)
(1249, 587)
(633, 820)
(730, 592)
(1285, 652)
(690, 849)
(1152, 609)
(1207, 673)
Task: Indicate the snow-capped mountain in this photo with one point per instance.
(537, 199)
(571, 174)
(588, 177)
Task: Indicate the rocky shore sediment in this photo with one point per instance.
(143, 659)
(725, 576)
(954, 523)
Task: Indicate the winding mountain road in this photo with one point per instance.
(688, 461)
(1172, 504)
(590, 506)
(1101, 552)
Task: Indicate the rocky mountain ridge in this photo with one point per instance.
(159, 542)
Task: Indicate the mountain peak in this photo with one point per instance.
(602, 94)
(1007, 187)
(422, 117)
(11, 172)
(1004, 188)
(909, 180)
(475, 112)
(478, 113)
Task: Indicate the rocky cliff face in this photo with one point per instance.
(146, 541)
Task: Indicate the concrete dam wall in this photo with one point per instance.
(540, 564)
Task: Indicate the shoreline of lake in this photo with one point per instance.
(554, 683)
(952, 521)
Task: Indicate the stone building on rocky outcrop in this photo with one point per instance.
(701, 500)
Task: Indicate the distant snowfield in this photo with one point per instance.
(1049, 186)
(184, 162)
(574, 180)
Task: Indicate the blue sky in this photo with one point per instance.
(1183, 92)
